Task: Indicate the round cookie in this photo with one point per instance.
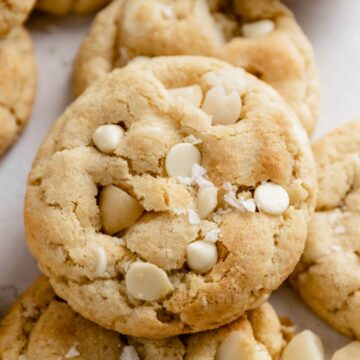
(17, 84)
(40, 326)
(13, 13)
(174, 193)
(328, 277)
(261, 36)
(62, 7)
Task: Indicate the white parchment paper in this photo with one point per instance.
(332, 26)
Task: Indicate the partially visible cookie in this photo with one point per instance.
(328, 278)
(13, 13)
(40, 326)
(17, 84)
(185, 193)
(62, 7)
(262, 36)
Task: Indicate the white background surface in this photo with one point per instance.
(333, 27)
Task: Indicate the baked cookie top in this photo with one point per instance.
(261, 36)
(17, 84)
(13, 13)
(328, 277)
(174, 193)
(62, 7)
(40, 326)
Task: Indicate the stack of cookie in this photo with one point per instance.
(175, 194)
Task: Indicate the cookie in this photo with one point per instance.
(41, 326)
(62, 7)
(175, 194)
(328, 278)
(17, 84)
(261, 36)
(13, 13)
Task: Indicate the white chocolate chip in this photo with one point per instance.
(258, 28)
(230, 78)
(305, 345)
(212, 235)
(129, 353)
(101, 260)
(181, 158)
(225, 109)
(206, 201)
(73, 352)
(201, 256)
(145, 281)
(271, 198)
(108, 137)
(192, 94)
(194, 218)
(118, 209)
(348, 352)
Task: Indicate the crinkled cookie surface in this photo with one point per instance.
(261, 36)
(328, 277)
(153, 201)
(13, 13)
(17, 84)
(40, 326)
(62, 7)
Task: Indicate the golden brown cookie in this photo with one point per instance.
(62, 7)
(261, 36)
(328, 278)
(17, 84)
(175, 194)
(13, 13)
(40, 326)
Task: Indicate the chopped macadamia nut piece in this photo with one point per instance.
(224, 108)
(138, 60)
(228, 77)
(305, 345)
(180, 160)
(206, 201)
(129, 353)
(101, 262)
(192, 94)
(237, 346)
(191, 139)
(194, 218)
(271, 198)
(145, 281)
(108, 137)
(118, 209)
(73, 352)
(258, 28)
(213, 235)
(201, 256)
(348, 352)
